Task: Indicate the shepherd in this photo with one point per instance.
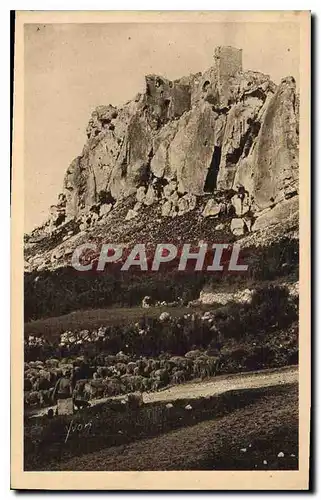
(63, 393)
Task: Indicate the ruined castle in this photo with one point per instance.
(221, 130)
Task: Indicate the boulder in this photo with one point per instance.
(286, 210)
(105, 209)
(238, 227)
(212, 208)
(169, 189)
(151, 196)
(174, 197)
(140, 194)
(137, 206)
(241, 204)
(186, 203)
(167, 208)
(164, 316)
(131, 214)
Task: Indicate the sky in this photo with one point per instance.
(72, 68)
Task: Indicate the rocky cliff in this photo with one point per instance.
(219, 145)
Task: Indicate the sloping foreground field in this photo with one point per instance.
(249, 438)
(237, 429)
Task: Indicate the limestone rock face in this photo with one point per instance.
(236, 140)
(276, 166)
(160, 164)
(221, 130)
(191, 150)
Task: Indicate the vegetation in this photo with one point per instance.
(64, 290)
(271, 309)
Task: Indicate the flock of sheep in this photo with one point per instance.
(109, 375)
(114, 375)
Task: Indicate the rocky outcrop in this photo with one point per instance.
(210, 297)
(286, 210)
(223, 144)
(276, 156)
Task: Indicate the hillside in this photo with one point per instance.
(209, 157)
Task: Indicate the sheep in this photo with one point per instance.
(101, 371)
(110, 360)
(125, 380)
(94, 388)
(215, 363)
(131, 367)
(121, 368)
(148, 367)
(179, 377)
(160, 378)
(41, 384)
(200, 367)
(146, 302)
(32, 372)
(121, 357)
(193, 354)
(33, 398)
(206, 366)
(137, 371)
(113, 387)
(44, 374)
(146, 384)
(180, 362)
(52, 363)
(135, 383)
(155, 364)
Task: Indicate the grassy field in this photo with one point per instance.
(211, 436)
(94, 318)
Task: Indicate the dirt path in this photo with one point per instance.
(222, 384)
(217, 385)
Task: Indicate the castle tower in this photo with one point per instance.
(227, 61)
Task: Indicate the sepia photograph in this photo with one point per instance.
(161, 315)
